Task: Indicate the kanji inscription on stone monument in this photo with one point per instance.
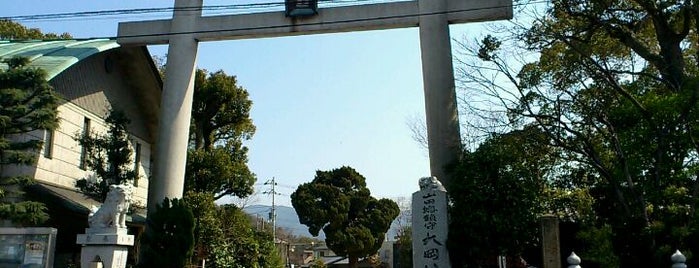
(429, 225)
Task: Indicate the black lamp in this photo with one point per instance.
(301, 8)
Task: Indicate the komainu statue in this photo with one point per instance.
(113, 212)
(431, 183)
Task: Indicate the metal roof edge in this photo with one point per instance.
(53, 47)
(102, 47)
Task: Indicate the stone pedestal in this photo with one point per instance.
(430, 227)
(108, 245)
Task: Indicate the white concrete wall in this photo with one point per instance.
(63, 168)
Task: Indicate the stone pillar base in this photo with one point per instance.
(108, 246)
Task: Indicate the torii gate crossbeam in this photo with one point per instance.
(329, 20)
(188, 27)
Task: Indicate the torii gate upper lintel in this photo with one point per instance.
(329, 20)
(188, 27)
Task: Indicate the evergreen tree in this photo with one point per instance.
(109, 156)
(10, 30)
(226, 238)
(614, 85)
(221, 121)
(339, 203)
(318, 263)
(27, 103)
(209, 236)
(217, 167)
(496, 197)
(169, 241)
(405, 247)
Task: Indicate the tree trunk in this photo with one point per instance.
(198, 136)
(353, 262)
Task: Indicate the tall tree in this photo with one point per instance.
(614, 84)
(221, 110)
(108, 155)
(10, 30)
(217, 167)
(27, 103)
(221, 171)
(220, 123)
(339, 203)
(497, 196)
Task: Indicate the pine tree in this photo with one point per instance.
(339, 203)
(109, 156)
(27, 103)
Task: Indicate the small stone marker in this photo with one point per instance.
(430, 227)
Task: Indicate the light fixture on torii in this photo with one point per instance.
(300, 8)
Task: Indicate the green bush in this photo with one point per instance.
(169, 238)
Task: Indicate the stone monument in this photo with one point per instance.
(106, 241)
(430, 226)
(550, 242)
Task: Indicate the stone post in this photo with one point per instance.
(573, 261)
(429, 225)
(678, 260)
(550, 242)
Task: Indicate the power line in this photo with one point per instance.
(317, 23)
(286, 186)
(269, 27)
(168, 10)
(281, 25)
(117, 12)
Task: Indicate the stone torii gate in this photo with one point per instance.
(188, 27)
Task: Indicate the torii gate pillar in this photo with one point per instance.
(176, 106)
(187, 27)
(444, 140)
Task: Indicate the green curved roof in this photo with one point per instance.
(55, 56)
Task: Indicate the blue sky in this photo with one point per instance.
(319, 102)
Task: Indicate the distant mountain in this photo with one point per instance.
(289, 220)
(286, 218)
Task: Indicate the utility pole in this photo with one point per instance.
(273, 213)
